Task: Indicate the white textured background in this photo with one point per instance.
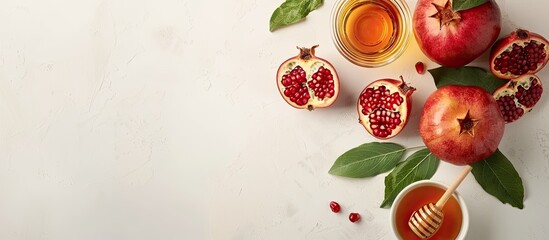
(160, 119)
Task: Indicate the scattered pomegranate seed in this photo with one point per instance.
(420, 67)
(354, 217)
(335, 206)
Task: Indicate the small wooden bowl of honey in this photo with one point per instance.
(418, 194)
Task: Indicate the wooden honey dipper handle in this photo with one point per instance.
(453, 187)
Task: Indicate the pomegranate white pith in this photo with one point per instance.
(384, 107)
(455, 38)
(521, 52)
(308, 82)
(518, 96)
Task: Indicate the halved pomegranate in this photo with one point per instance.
(518, 96)
(306, 81)
(384, 107)
(521, 52)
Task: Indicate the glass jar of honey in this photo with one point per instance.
(371, 33)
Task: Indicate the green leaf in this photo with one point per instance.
(368, 160)
(292, 11)
(468, 76)
(498, 177)
(419, 166)
(460, 5)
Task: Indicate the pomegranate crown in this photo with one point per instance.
(522, 34)
(405, 88)
(445, 14)
(306, 53)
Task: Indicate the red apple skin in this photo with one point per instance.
(440, 129)
(458, 43)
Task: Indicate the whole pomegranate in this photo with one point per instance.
(384, 107)
(461, 124)
(306, 81)
(455, 38)
(521, 52)
(518, 96)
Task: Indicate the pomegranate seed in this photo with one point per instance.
(519, 60)
(335, 206)
(518, 96)
(294, 86)
(354, 217)
(322, 83)
(529, 97)
(420, 67)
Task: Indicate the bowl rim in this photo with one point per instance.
(465, 212)
(371, 60)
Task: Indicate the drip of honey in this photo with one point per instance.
(371, 27)
(421, 196)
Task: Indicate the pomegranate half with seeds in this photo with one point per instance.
(461, 124)
(518, 96)
(306, 81)
(384, 107)
(521, 52)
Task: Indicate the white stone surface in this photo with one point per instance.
(160, 119)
